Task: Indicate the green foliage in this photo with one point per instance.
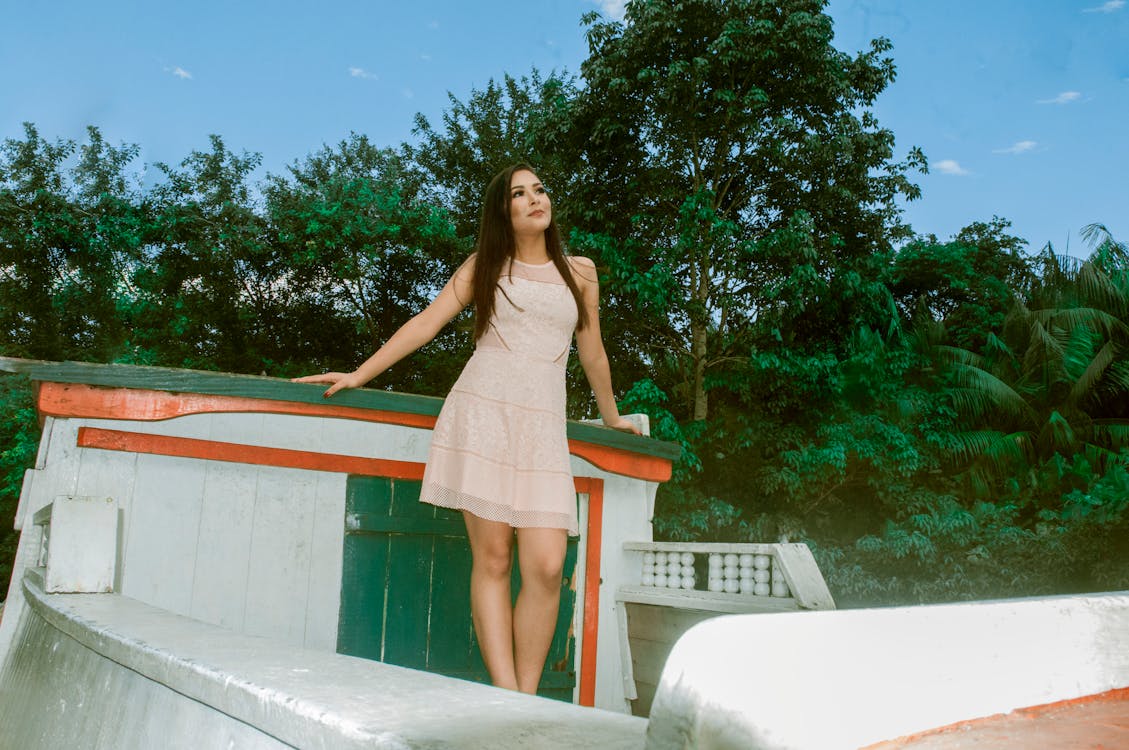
(70, 231)
(731, 169)
(953, 552)
(199, 293)
(19, 441)
(360, 250)
(968, 283)
(495, 127)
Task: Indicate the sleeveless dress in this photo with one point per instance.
(499, 448)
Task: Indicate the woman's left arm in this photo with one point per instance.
(590, 347)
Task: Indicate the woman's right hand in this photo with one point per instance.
(336, 380)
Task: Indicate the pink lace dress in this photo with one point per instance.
(499, 448)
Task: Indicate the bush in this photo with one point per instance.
(19, 436)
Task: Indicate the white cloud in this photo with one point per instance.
(362, 73)
(408, 94)
(425, 58)
(1018, 147)
(179, 72)
(1108, 7)
(951, 166)
(616, 8)
(1066, 97)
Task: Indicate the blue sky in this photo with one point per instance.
(1020, 105)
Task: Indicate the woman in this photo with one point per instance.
(499, 452)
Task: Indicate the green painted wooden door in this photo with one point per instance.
(405, 588)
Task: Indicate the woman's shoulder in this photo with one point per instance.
(466, 268)
(583, 269)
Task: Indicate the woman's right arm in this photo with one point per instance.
(411, 336)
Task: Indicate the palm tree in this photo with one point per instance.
(1053, 384)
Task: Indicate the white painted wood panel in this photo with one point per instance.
(61, 471)
(281, 535)
(163, 532)
(323, 594)
(219, 586)
(110, 474)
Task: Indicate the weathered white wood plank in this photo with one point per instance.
(663, 624)
(709, 601)
(25, 498)
(278, 579)
(323, 592)
(111, 474)
(648, 658)
(61, 473)
(197, 426)
(624, 642)
(625, 517)
(641, 706)
(245, 428)
(219, 586)
(803, 577)
(163, 531)
(81, 557)
(704, 547)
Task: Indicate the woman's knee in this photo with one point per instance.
(542, 556)
(491, 546)
(494, 560)
(544, 570)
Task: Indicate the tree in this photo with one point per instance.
(495, 127)
(732, 179)
(1052, 386)
(198, 288)
(70, 233)
(967, 283)
(364, 251)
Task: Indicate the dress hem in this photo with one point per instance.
(444, 497)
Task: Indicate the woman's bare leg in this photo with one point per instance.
(541, 554)
(491, 547)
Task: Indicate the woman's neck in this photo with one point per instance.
(531, 249)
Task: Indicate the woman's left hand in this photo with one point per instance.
(623, 425)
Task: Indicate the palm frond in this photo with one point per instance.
(1108, 252)
(958, 356)
(992, 445)
(1085, 384)
(1044, 354)
(1113, 433)
(995, 346)
(982, 390)
(1057, 436)
(1068, 319)
(1096, 287)
(1117, 378)
(1079, 346)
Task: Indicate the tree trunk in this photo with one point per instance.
(698, 352)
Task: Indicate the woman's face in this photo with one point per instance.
(530, 207)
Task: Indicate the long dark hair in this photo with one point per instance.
(495, 247)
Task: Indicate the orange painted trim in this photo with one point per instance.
(79, 400)
(212, 450)
(1050, 723)
(595, 490)
(618, 461)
